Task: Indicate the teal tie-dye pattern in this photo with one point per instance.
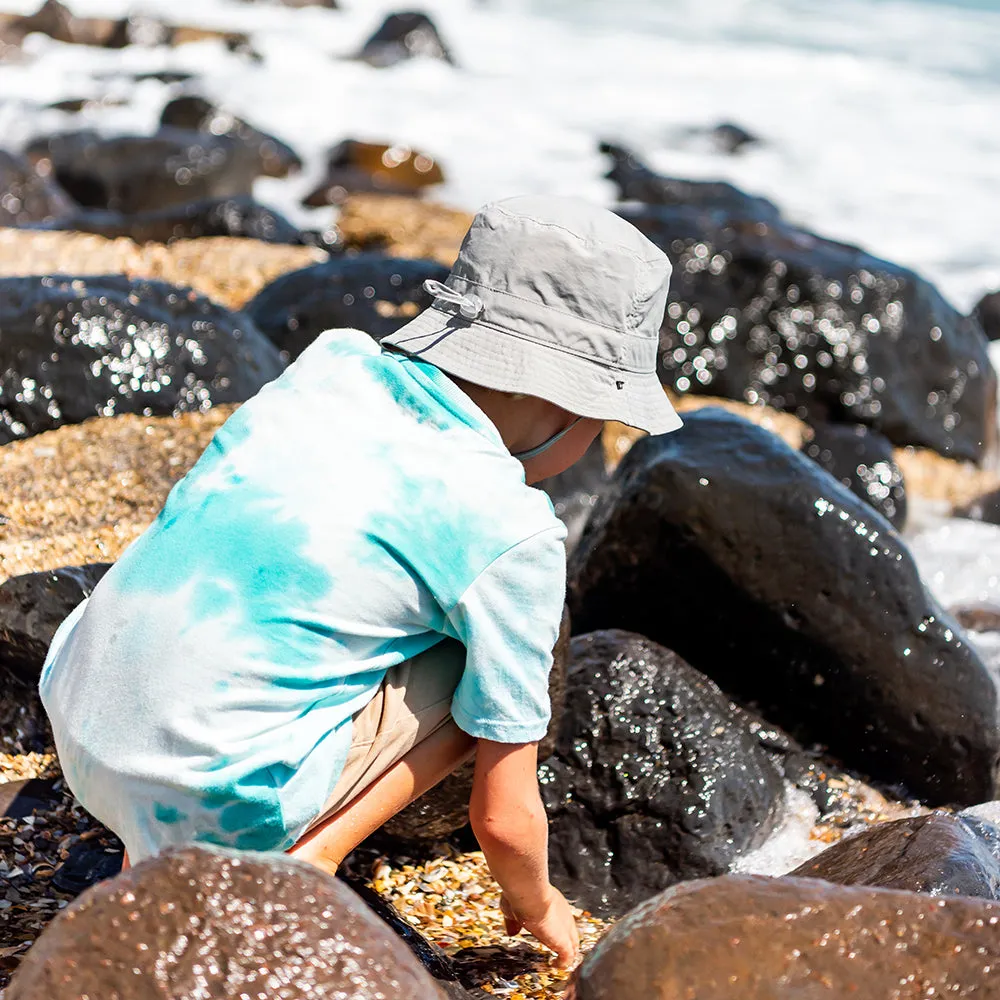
(333, 528)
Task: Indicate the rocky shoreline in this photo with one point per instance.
(754, 678)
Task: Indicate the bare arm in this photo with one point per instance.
(509, 821)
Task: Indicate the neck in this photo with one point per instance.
(523, 423)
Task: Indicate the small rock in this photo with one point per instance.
(75, 348)
(406, 35)
(213, 906)
(745, 937)
(983, 508)
(729, 138)
(132, 173)
(987, 311)
(33, 606)
(656, 776)
(768, 575)
(636, 182)
(862, 460)
(195, 113)
(938, 854)
(354, 166)
(366, 292)
(58, 22)
(29, 195)
(87, 864)
(19, 799)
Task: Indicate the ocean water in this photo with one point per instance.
(878, 118)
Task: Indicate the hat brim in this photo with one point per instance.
(498, 359)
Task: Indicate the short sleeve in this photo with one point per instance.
(509, 620)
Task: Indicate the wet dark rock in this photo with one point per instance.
(445, 808)
(862, 460)
(133, 174)
(277, 158)
(405, 35)
(19, 799)
(240, 217)
(746, 937)
(764, 312)
(768, 575)
(575, 492)
(73, 348)
(167, 76)
(987, 312)
(354, 167)
(655, 777)
(33, 606)
(938, 854)
(367, 292)
(636, 182)
(87, 864)
(27, 194)
(216, 904)
(728, 138)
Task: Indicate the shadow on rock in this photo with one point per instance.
(768, 575)
(938, 854)
(656, 776)
(744, 937)
(247, 923)
(74, 348)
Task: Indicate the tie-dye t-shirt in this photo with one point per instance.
(346, 518)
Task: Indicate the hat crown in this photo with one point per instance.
(573, 259)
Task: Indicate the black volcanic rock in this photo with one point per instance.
(277, 158)
(131, 173)
(656, 777)
(27, 195)
(224, 925)
(33, 606)
(765, 312)
(746, 937)
(404, 35)
(367, 292)
(863, 461)
(73, 348)
(987, 312)
(768, 575)
(939, 854)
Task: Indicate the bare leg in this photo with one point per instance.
(422, 768)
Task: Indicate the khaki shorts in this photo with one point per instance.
(413, 702)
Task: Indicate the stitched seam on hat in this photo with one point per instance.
(551, 309)
(580, 239)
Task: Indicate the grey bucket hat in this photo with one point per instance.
(553, 298)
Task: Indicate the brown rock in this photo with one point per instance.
(230, 271)
(938, 854)
(404, 227)
(81, 494)
(200, 922)
(354, 166)
(745, 937)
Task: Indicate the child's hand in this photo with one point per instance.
(551, 921)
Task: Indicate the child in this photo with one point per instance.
(354, 589)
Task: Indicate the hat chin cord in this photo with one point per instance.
(523, 456)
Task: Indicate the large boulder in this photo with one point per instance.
(744, 937)
(987, 312)
(366, 292)
(353, 166)
(132, 173)
(27, 195)
(765, 312)
(277, 159)
(769, 575)
(33, 606)
(938, 854)
(862, 459)
(445, 808)
(200, 922)
(402, 36)
(72, 348)
(656, 776)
